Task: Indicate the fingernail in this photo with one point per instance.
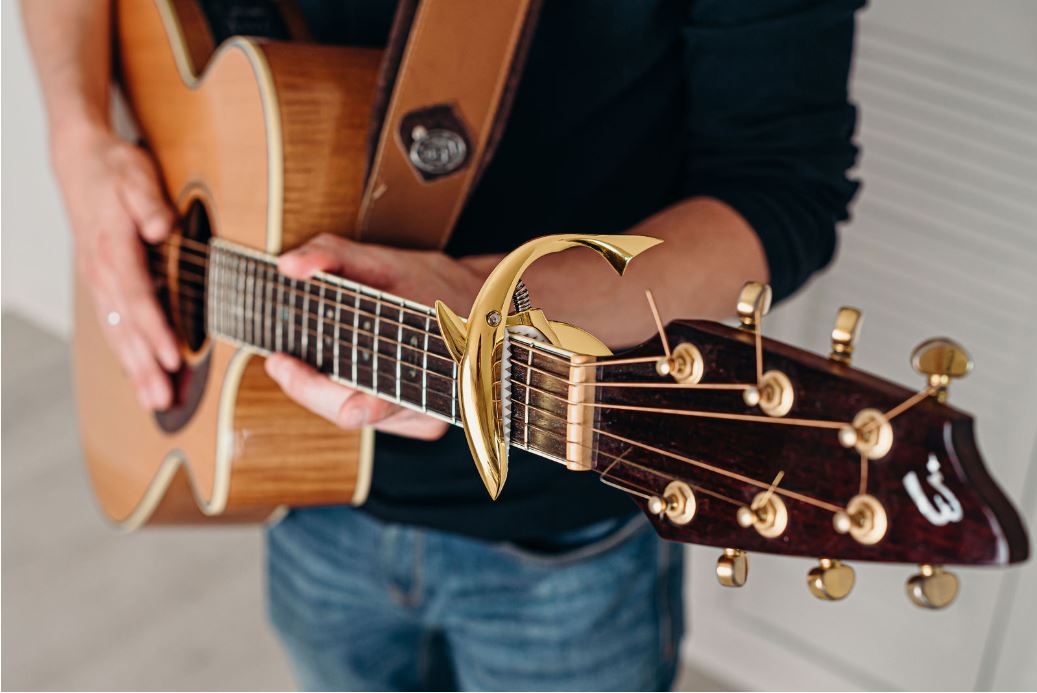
(354, 417)
(156, 227)
(144, 397)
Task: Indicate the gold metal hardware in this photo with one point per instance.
(864, 519)
(776, 394)
(680, 502)
(830, 580)
(941, 360)
(755, 298)
(768, 515)
(579, 419)
(471, 342)
(933, 587)
(844, 335)
(677, 504)
(685, 364)
(733, 568)
(872, 434)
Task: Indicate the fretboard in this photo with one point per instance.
(373, 341)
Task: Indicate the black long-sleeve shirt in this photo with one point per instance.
(625, 107)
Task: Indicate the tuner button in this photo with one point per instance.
(844, 335)
(841, 522)
(831, 580)
(941, 360)
(932, 588)
(848, 436)
(733, 568)
(754, 298)
(656, 505)
(768, 515)
(751, 396)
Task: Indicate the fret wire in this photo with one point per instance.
(399, 353)
(279, 326)
(269, 312)
(305, 322)
(250, 299)
(336, 354)
(529, 365)
(424, 366)
(356, 327)
(238, 281)
(320, 329)
(377, 329)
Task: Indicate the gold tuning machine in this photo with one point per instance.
(864, 519)
(830, 580)
(677, 503)
(754, 299)
(932, 588)
(733, 568)
(767, 514)
(844, 334)
(941, 360)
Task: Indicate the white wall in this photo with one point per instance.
(35, 241)
(944, 240)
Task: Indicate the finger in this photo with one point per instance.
(132, 288)
(309, 388)
(413, 425)
(142, 196)
(149, 381)
(369, 264)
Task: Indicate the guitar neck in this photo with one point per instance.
(372, 341)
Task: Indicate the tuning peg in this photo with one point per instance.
(733, 568)
(831, 580)
(941, 360)
(844, 334)
(932, 588)
(677, 503)
(864, 519)
(755, 298)
(767, 513)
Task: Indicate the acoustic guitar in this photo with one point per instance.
(720, 435)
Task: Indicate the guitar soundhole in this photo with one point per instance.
(180, 277)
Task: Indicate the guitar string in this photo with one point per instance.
(743, 417)
(697, 413)
(687, 460)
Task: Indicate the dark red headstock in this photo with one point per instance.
(938, 501)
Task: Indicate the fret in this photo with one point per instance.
(337, 338)
(320, 327)
(239, 285)
(356, 333)
(250, 279)
(453, 396)
(377, 326)
(212, 294)
(292, 293)
(268, 271)
(279, 327)
(525, 412)
(399, 352)
(424, 365)
(305, 321)
(367, 343)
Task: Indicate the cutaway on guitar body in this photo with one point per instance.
(261, 143)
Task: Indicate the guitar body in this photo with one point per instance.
(262, 143)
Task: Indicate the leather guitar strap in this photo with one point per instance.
(453, 76)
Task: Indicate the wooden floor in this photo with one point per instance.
(88, 608)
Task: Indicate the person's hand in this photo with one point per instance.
(422, 276)
(114, 200)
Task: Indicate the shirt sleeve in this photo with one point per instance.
(769, 123)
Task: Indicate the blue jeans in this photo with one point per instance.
(364, 605)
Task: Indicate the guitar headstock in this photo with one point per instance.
(730, 439)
